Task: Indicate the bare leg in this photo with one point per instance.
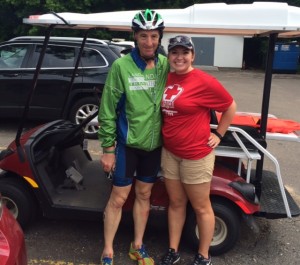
(141, 211)
(199, 197)
(176, 211)
(112, 217)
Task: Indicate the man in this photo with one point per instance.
(130, 131)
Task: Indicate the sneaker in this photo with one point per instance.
(200, 260)
(140, 255)
(106, 261)
(170, 258)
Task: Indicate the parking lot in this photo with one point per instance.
(80, 242)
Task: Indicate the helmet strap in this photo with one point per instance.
(147, 59)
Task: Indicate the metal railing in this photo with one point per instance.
(250, 156)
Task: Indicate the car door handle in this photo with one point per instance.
(76, 75)
(11, 75)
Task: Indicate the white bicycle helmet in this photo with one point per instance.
(147, 20)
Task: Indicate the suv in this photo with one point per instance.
(18, 60)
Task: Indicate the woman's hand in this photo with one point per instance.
(213, 140)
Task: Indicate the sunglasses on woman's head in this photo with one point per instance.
(181, 40)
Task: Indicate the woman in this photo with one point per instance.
(187, 156)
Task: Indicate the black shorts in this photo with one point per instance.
(135, 163)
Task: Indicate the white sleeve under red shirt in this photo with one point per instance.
(186, 105)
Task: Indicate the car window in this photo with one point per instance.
(12, 56)
(92, 58)
(55, 56)
(59, 56)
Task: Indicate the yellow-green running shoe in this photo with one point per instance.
(140, 255)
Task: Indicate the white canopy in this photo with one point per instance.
(259, 18)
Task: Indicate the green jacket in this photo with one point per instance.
(130, 105)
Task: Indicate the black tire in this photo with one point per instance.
(82, 109)
(227, 228)
(19, 201)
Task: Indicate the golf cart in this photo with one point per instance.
(49, 168)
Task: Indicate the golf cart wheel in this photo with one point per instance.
(81, 110)
(227, 228)
(18, 200)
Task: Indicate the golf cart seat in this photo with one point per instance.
(230, 141)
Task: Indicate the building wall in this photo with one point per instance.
(227, 50)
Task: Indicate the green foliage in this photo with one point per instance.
(12, 13)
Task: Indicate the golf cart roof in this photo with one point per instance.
(256, 19)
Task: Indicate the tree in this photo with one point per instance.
(13, 11)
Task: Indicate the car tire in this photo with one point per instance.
(227, 228)
(19, 201)
(81, 110)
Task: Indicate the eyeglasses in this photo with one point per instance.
(181, 40)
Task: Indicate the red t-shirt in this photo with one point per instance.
(186, 105)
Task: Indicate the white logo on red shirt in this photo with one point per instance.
(170, 95)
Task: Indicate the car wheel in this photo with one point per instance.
(18, 200)
(81, 110)
(227, 228)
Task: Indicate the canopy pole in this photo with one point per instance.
(265, 104)
(31, 93)
(64, 113)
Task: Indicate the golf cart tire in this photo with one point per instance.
(227, 228)
(85, 105)
(19, 201)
